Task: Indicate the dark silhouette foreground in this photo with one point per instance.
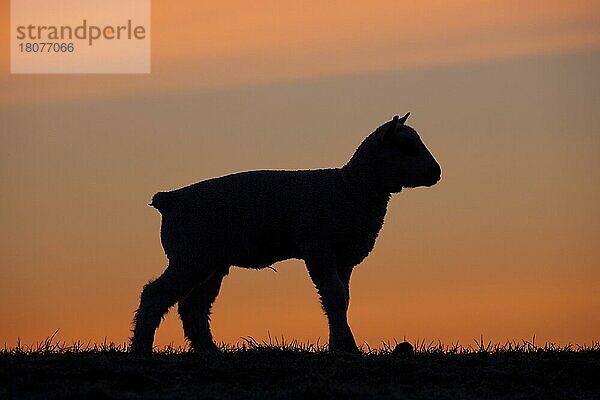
(270, 373)
(329, 218)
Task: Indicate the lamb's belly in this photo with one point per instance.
(261, 252)
(258, 261)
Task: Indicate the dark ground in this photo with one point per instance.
(275, 373)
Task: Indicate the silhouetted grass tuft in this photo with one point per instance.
(50, 345)
(279, 368)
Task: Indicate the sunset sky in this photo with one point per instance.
(505, 94)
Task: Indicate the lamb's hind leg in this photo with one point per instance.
(334, 299)
(194, 310)
(156, 299)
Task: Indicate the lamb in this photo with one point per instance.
(329, 218)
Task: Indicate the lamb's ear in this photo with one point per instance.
(391, 128)
(403, 119)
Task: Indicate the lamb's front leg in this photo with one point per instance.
(344, 273)
(332, 291)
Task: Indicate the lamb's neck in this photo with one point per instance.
(362, 183)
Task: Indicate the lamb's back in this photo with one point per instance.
(265, 191)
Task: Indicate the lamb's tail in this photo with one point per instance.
(162, 201)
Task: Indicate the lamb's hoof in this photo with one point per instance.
(205, 349)
(350, 349)
(404, 349)
(140, 350)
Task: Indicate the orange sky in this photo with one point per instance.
(504, 93)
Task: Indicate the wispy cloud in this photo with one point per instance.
(199, 45)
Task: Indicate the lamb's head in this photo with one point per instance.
(397, 157)
(402, 160)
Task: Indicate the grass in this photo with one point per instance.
(277, 369)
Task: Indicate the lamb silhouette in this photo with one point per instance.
(329, 218)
